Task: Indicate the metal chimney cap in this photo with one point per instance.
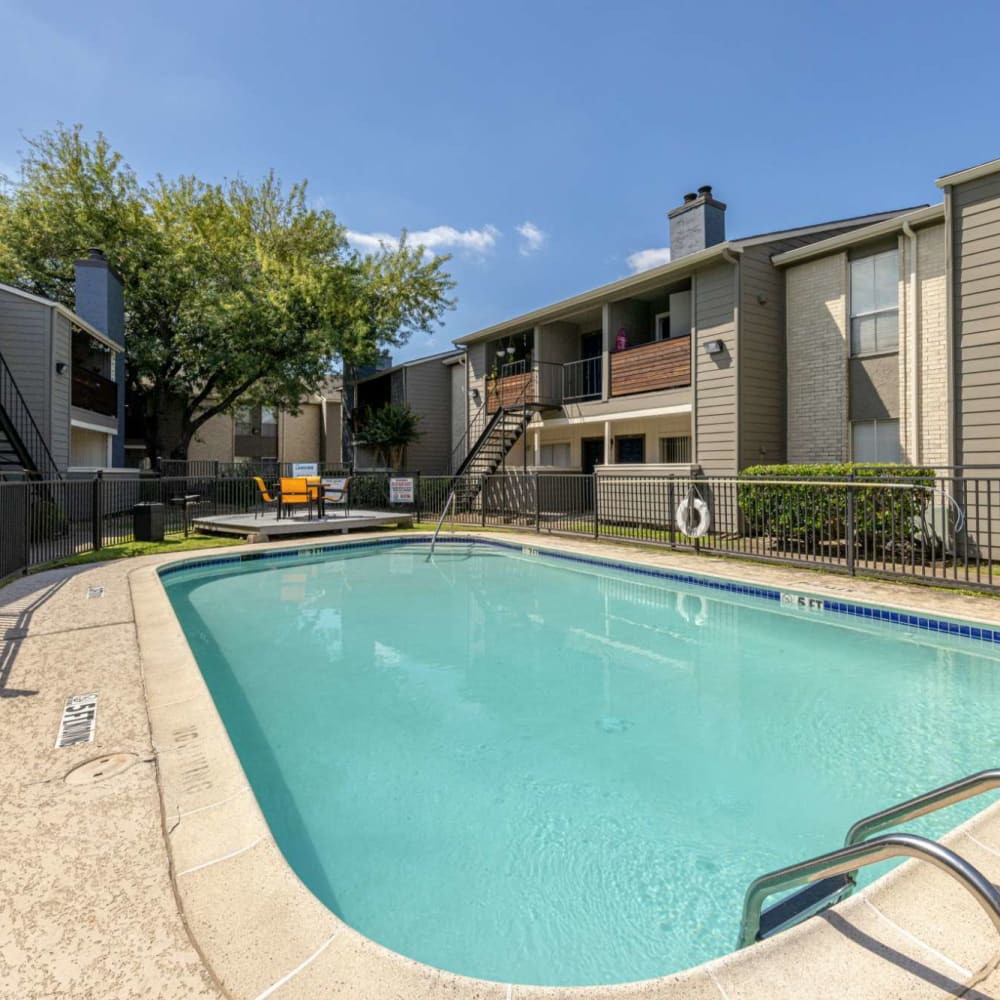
(96, 253)
(705, 190)
(690, 196)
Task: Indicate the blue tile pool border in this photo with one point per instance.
(904, 619)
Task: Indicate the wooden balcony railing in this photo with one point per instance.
(525, 383)
(662, 364)
(94, 392)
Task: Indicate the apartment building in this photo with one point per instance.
(261, 435)
(62, 376)
(874, 338)
(678, 368)
(893, 335)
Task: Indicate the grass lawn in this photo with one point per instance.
(127, 550)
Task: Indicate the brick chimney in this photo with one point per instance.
(699, 222)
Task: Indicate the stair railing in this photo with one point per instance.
(22, 431)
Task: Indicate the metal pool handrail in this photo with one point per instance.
(448, 503)
(849, 859)
(920, 805)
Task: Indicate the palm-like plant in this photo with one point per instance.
(388, 431)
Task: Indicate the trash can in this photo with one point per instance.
(147, 522)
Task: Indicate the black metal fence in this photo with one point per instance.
(939, 529)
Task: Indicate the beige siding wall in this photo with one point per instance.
(459, 404)
(715, 375)
(816, 338)
(976, 256)
(762, 359)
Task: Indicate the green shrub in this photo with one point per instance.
(812, 508)
(47, 520)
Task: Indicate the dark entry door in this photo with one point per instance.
(593, 453)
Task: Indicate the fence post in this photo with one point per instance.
(538, 507)
(597, 517)
(96, 511)
(850, 528)
(482, 498)
(671, 535)
(416, 496)
(27, 527)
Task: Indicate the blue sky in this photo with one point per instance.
(540, 143)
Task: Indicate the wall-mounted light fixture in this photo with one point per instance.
(61, 367)
(714, 347)
(473, 394)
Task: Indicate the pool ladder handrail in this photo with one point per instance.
(831, 877)
(444, 514)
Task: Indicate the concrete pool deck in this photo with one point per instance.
(163, 880)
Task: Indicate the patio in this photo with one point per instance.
(268, 526)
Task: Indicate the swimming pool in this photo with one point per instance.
(524, 767)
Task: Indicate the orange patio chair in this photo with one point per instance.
(294, 493)
(264, 497)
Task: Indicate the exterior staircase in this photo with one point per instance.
(23, 451)
(488, 452)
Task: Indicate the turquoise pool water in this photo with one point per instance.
(539, 771)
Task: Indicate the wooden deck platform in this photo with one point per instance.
(269, 527)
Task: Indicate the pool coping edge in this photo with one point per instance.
(167, 659)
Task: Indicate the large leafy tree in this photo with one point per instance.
(235, 292)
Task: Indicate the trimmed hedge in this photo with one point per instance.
(815, 513)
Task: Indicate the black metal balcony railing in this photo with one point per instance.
(94, 392)
(582, 380)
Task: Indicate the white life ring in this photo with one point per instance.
(684, 601)
(703, 523)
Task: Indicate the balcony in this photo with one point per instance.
(525, 383)
(662, 364)
(582, 380)
(94, 392)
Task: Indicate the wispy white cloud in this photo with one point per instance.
(532, 238)
(643, 260)
(478, 241)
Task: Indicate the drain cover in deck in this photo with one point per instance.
(101, 768)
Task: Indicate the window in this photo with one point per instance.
(554, 454)
(631, 450)
(675, 450)
(875, 303)
(875, 441)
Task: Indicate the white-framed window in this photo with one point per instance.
(875, 303)
(554, 454)
(875, 441)
(675, 450)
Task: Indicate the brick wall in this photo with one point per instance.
(816, 336)
(932, 318)
(214, 440)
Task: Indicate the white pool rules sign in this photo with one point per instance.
(401, 490)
